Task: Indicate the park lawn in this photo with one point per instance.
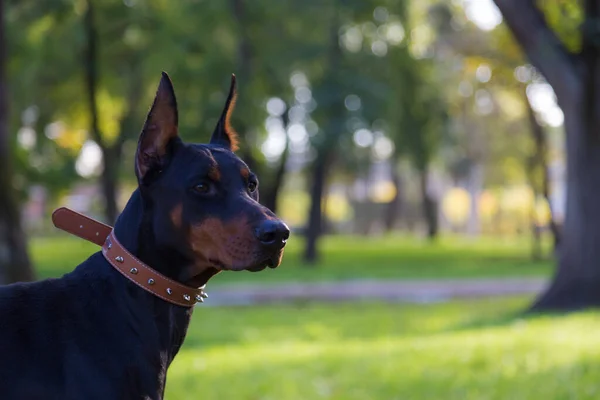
(461, 350)
(348, 257)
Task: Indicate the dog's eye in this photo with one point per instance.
(252, 186)
(202, 188)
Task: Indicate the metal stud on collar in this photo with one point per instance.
(199, 298)
(133, 271)
(187, 297)
(169, 291)
(150, 281)
(119, 259)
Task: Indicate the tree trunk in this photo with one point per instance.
(315, 215)
(539, 160)
(536, 234)
(576, 283)
(15, 265)
(108, 180)
(244, 73)
(108, 183)
(574, 78)
(429, 206)
(474, 185)
(393, 208)
(272, 193)
(536, 240)
(333, 109)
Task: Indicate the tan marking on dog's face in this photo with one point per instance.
(214, 173)
(233, 244)
(245, 172)
(175, 215)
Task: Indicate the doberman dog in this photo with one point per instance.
(93, 334)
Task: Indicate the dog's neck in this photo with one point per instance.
(134, 231)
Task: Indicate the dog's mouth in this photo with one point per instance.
(270, 262)
(257, 268)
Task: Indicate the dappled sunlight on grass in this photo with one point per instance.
(349, 257)
(378, 351)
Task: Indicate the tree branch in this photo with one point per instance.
(91, 72)
(540, 160)
(244, 66)
(541, 45)
(590, 52)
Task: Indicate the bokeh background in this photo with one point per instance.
(417, 149)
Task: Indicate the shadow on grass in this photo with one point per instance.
(512, 317)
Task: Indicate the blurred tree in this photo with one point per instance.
(420, 115)
(539, 177)
(90, 65)
(479, 73)
(111, 149)
(352, 92)
(571, 68)
(245, 70)
(36, 70)
(329, 114)
(274, 185)
(335, 72)
(416, 111)
(263, 66)
(394, 208)
(120, 48)
(15, 265)
(53, 80)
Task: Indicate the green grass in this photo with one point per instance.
(345, 257)
(459, 350)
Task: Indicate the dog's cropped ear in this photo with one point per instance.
(224, 135)
(160, 128)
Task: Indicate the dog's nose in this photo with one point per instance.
(273, 233)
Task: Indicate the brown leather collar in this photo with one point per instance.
(123, 261)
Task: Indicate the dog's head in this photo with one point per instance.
(202, 198)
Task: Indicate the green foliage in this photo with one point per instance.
(421, 112)
(346, 257)
(460, 350)
(37, 89)
(497, 136)
(408, 89)
(262, 42)
(565, 18)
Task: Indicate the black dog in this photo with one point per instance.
(93, 334)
